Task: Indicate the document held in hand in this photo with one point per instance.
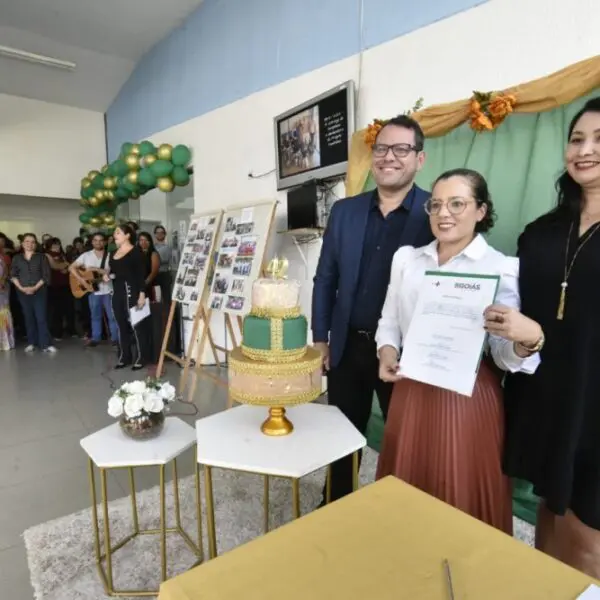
(139, 314)
(445, 339)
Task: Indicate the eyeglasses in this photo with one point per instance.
(398, 150)
(455, 206)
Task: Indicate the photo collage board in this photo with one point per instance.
(240, 251)
(196, 254)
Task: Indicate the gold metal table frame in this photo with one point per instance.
(106, 574)
(210, 508)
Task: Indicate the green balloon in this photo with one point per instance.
(98, 182)
(181, 155)
(161, 168)
(120, 168)
(84, 218)
(126, 148)
(180, 176)
(147, 178)
(132, 187)
(146, 148)
(121, 193)
(88, 192)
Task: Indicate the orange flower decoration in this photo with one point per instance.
(489, 109)
(372, 130)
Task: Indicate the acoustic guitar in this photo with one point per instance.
(92, 279)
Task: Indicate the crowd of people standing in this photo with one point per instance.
(36, 299)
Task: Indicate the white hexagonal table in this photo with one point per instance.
(110, 448)
(233, 440)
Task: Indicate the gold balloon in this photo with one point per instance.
(149, 159)
(100, 195)
(133, 162)
(135, 196)
(94, 201)
(83, 201)
(109, 195)
(104, 169)
(93, 174)
(110, 183)
(109, 220)
(95, 221)
(85, 183)
(165, 184)
(164, 151)
(135, 149)
(132, 177)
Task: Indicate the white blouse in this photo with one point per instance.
(408, 270)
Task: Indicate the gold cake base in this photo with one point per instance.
(275, 386)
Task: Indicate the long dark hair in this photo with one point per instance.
(151, 249)
(570, 193)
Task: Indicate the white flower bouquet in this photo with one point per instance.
(139, 398)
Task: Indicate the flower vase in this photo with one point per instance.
(146, 426)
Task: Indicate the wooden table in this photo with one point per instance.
(386, 541)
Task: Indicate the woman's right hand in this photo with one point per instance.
(106, 278)
(388, 364)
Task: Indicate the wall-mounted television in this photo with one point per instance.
(313, 138)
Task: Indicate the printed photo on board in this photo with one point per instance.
(237, 285)
(225, 260)
(242, 267)
(194, 296)
(217, 303)
(230, 224)
(247, 246)
(180, 294)
(221, 284)
(181, 276)
(230, 242)
(235, 302)
(190, 278)
(244, 228)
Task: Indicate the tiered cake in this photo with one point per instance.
(273, 366)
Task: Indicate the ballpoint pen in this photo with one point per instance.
(449, 585)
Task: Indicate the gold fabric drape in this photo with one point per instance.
(538, 95)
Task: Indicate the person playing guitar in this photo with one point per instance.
(86, 274)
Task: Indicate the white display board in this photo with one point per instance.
(240, 250)
(196, 253)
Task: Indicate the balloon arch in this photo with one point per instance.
(138, 169)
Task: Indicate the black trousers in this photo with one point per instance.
(135, 345)
(61, 309)
(350, 387)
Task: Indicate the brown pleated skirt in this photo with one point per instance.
(450, 446)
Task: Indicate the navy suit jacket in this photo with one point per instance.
(339, 264)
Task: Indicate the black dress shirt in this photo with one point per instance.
(30, 272)
(382, 239)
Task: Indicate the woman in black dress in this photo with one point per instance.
(553, 416)
(127, 268)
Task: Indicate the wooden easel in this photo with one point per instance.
(200, 370)
(200, 316)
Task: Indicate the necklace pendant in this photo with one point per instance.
(561, 302)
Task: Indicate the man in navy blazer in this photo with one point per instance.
(353, 274)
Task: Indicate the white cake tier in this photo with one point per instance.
(275, 295)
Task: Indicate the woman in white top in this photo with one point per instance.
(446, 444)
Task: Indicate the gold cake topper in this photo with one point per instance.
(278, 268)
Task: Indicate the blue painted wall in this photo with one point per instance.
(229, 49)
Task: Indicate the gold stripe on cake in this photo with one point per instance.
(273, 356)
(275, 313)
(301, 398)
(276, 334)
(239, 363)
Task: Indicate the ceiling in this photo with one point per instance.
(105, 38)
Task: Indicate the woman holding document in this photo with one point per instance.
(443, 442)
(553, 417)
(127, 273)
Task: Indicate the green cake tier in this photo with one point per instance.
(272, 339)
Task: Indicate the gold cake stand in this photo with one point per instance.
(302, 374)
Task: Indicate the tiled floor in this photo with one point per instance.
(47, 404)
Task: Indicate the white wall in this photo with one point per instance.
(491, 47)
(24, 214)
(45, 149)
